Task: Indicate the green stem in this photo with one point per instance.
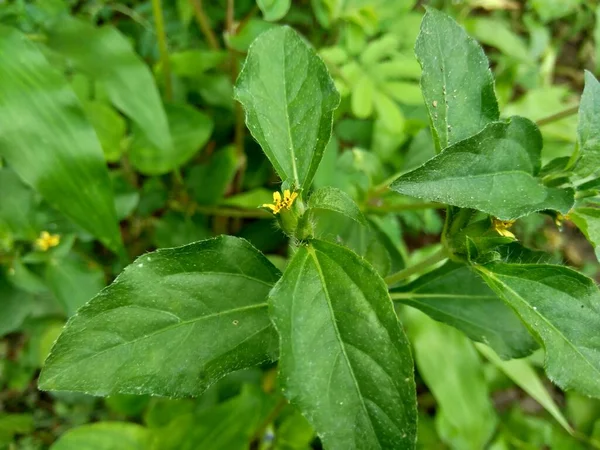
(383, 186)
(417, 268)
(223, 211)
(382, 209)
(558, 116)
(204, 24)
(162, 47)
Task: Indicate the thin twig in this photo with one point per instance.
(204, 24)
(560, 115)
(162, 47)
(417, 268)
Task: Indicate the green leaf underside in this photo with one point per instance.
(588, 221)
(105, 436)
(456, 80)
(173, 323)
(588, 130)
(493, 171)
(562, 308)
(46, 139)
(450, 366)
(457, 296)
(345, 361)
(106, 56)
(289, 99)
(333, 199)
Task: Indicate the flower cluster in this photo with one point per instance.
(280, 203)
(47, 240)
(502, 226)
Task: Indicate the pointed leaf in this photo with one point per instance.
(106, 56)
(274, 10)
(493, 171)
(105, 436)
(47, 140)
(345, 361)
(588, 221)
(457, 296)
(289, 99)
(588, 130)
(561, 307)
(456, 80)
(333, 199)
(154, 329)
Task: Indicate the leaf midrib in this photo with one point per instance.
(536, 312)
(313, 254)
(287, 117)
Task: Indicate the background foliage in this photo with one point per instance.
(149, 91)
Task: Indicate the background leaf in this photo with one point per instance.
(588, 130)
(48, 142)
(105, 436)
(493, 171)
(457, 296)
(274, 10)
(153, 329)
(345, 361)
(336, 200)
(106, 56)
(562, 309)
(456, 80)
(289, 99)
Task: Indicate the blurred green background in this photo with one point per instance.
(140, 67)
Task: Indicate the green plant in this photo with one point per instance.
(177, 320)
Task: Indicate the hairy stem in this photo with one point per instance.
(162, 46)
(559, 115)
(417, 268)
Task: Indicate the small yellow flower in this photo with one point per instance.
(559, 219)
(47, 240)
(281, 203)
(502, 226)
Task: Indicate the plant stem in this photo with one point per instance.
(560, 115)
(204, 24)
(417, 268)
(162, 47)
(383, 186)
(403, 207)
(221, 211)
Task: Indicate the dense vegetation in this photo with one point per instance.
(327, 224)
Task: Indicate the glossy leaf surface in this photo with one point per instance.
(153, 329)
(289, 99)
(345, 361)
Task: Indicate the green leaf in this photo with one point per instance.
(106, 56)
(588, 221)
(549, 9)
(105, 436)
(344, 360)
(498, 33)
(289, 99)
(450, 366)
(525, 376)
(493, 171)
(333, 199)
(48, 142)
(457, 296)
(274, 10)
(208, 182)
(456, 80)
(17, 208)
(190, 129)
(153, 329)
(17, 305)
(109, 126)
(11, 424)
(561, 308)
(588, 130)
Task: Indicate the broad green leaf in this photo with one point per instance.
(456, 80)
(588, 221)
(450, 366)
(17, 208)
(73, 281)
(190, 129)
(48, 142)
(493, 171)
(153, 329)
(289, 99)
(588, 130)
(561, 308)
(525, 376)
(106, 56)
(551, 9)
(209, 182)
(105, 436)
(336, 200)
(274, 10)
(109, 126)
(457, 296)
(344, 359)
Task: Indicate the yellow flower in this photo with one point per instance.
(47, 240)
(502, 226)
(281, 203)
